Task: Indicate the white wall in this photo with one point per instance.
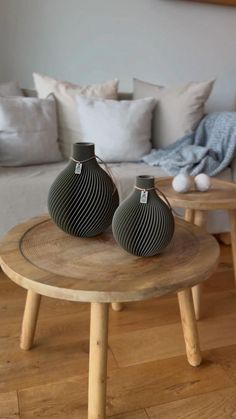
(86, 41)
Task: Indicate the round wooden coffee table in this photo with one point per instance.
(221, 196)
(46, 261)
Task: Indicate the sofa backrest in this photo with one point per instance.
(122, 95)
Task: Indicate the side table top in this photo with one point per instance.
(38, 256)
(221, 195)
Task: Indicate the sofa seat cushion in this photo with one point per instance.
(24, 190)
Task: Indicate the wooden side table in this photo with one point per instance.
(221, 196)
(46, 261)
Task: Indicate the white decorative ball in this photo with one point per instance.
(181, 183)
(202, 182)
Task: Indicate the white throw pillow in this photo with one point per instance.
(65, 94)
(10, 89)
(178, 110)
(28, 131)
(121, 130)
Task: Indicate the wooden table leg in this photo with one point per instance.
(117, 306)
(30, 320)
(189, 325)
(189, 215)
(200, 218)
(98, 361)
(232, 220)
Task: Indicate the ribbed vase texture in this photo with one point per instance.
(143, 229)
(83, 204)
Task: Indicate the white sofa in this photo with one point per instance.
(24, 190)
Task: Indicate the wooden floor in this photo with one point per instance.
(148, 376)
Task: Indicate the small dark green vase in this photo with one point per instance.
(82, 204)
(143, 228)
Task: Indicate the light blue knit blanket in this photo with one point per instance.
(210, 149)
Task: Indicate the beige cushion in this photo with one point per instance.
(178, 110)
(65, 94)
(120, 130)
(28, 131)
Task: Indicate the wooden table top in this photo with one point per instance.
(221, 195)
(38, 256)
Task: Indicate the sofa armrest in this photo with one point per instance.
(233, 168)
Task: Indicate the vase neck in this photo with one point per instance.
(83, 151)
(145, 182)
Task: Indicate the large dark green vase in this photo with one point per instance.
(82, 204)
(143, 224)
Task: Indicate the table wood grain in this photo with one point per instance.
(40, 257)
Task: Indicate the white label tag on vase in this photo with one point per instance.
(78, 168)
(144, 197)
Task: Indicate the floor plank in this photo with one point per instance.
(9, 406)
(226, 357)
(61, 400)
(150, 344)
(44, 364)
(218, 405)
(128, 389)
(141, 414)
(167, 341)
